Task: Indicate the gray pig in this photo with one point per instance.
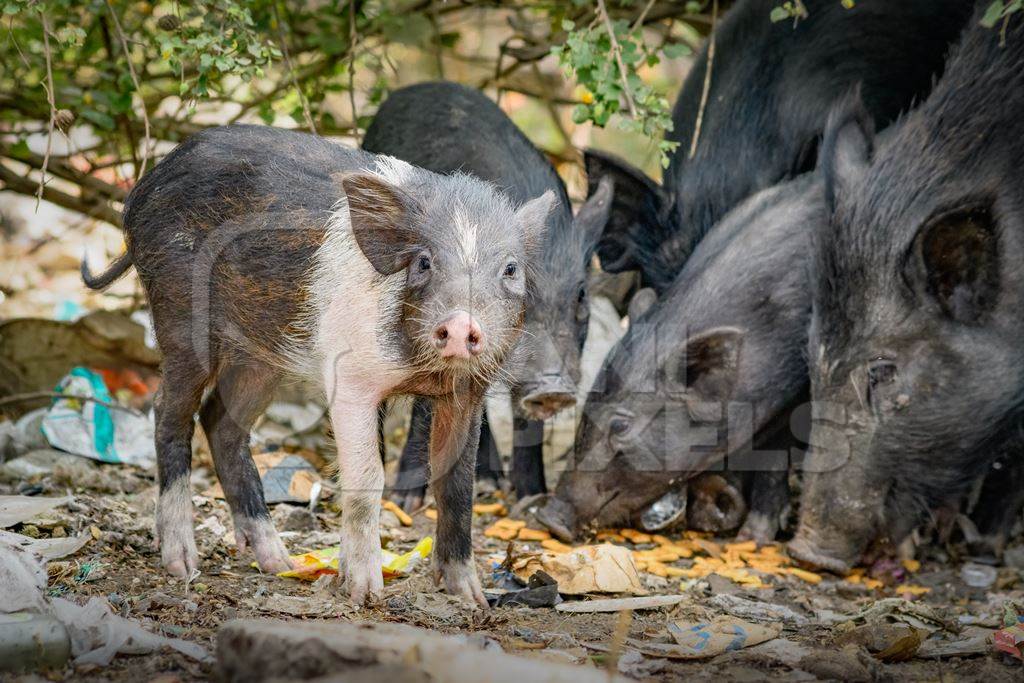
(266, 253)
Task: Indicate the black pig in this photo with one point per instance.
(267, 253)
(447, 127)
(917, 372)
(772, 86)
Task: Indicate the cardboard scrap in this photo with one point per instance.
(604, 568)
(699, 640)
(286, 478)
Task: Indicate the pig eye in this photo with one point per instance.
(881, 372)
(423, 263)
(618, 425)
(511, 270)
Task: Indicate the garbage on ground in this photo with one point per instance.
(973, 640)
(620, 604)
(89, 428)
(286, 477)
(886, 642)
(541, 591)
(46, 548)
(754, 610)
(96, 634)
(698, 640)
(310, 566)
(264, 650)
(403, 518)
(665, 512)
(17, 509)
(978, 575)
(604, 568)
(1010, 639)
(31, 642)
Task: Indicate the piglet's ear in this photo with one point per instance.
(847, 146)
(383, 219)
(709, 363)
(592, 217)
(533, 217)
(958, 257)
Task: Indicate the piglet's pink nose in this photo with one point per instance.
(459, 336)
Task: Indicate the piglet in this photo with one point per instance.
(268, 254)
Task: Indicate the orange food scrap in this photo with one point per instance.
(695, 535)
(661, 540)
(745, 546)
(873, 584)
(430, 513)
(656, 554)
(709, 547)
(505, 533)
(610, 535)
(398, 512)
(912, 589)
(509, 523)
(680, 550)
(804, 575)
(533, 535)
(490, 509)
(634, 536)
(911, 566)
(555, 546)
(656, 568)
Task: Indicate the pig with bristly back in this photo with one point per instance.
(266, 253)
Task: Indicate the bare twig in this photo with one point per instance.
(291, 72)
(617, 52)
(643, 15)
(147, 145)
(53, 106)
(352, 68)
(36, 395)
(618, 640)
(707, 81)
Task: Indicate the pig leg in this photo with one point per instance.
(488, 460)
(411, 483)
(528, 457)
(242, 394)
(361, 478)
(769, 500)
(1000, 502)
(177, 400)
(454, 437)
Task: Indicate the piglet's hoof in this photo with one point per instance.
(363, 583)
(178, 553)
(758, 527)
(460, 580)
(261, 536)
(410, 500)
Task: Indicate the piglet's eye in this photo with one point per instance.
(423, 263)
(511, 269)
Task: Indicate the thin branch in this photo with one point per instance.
(89, 205)
(617, 52)
(36, 395)
(352, 68)
(291, 71)
(707, 81)
(147, 146)
(53, 106)
(643, 15)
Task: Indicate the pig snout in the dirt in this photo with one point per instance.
(545, 400)
(459, 336)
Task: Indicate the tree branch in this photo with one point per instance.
(89, 206)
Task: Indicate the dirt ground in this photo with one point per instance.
(822, 638)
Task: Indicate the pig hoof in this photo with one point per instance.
(409, 500)
(807, 554)
(178, 553)
(759, 528)
(363, 584)
(261, 536)
(461, 580)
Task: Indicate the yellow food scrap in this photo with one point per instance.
(912, 589)
(398, 512)
(709, 547)
(661, 540)
(430, 513)
(745, 546)
(657, 554)
(804, 575)
(873, 584)
(490, 509)
(505, 533)
(634, 536)
(680, 550)
(508, 523)
(610, 535)
(555, 546)
(656, 568)
(533, 535)
(911, 566)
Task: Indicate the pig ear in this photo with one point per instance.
(641, 302)
(709, 362)
(592, 217)
(957, 255)
(635, 215)
(382, 219)
(847, 146)
(533, 217)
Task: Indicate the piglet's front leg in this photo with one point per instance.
(454, 435)
(361, 478)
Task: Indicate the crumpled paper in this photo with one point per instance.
(604, 568)
(699, 640)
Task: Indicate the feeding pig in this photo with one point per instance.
(772, 86)
(447, 127)
(717, 360)
(266, 253)
(917, 372)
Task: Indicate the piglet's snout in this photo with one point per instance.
(459, 336)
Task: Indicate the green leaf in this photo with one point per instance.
(781, 14)
(580, 113)
(676, 50)
(104, 121)
(568, 24)
(993, 14)
(266, 113)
